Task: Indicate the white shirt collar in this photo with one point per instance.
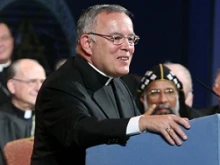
(2, 66)
(27, 114)
(110, 78)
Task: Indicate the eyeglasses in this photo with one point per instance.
(156, 93)
(118, 39)
(31, 82)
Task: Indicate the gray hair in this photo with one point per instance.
(88, 19)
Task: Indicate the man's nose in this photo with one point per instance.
(126, 43)
(163, 97)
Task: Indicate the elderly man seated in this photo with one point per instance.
(24, 79)
(160, 86)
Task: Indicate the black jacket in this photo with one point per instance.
(12, 126)
(73, 112)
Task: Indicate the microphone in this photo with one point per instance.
(205, 86)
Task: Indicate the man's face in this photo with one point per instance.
(113, 60)
(26, 85)
(6, 44)
(164, 94)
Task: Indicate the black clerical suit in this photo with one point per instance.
(74, 110)
(13, 126)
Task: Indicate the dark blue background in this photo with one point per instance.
(181, 31)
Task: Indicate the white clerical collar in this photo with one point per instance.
(27, 114)
(110, 78)
(2, 66)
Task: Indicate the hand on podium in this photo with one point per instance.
(167, 125)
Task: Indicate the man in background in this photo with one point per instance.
(24, 79)
(160, 86)
(184, 76)
(6, 50)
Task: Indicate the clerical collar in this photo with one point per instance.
(27, 114)
(2, 66)
(110, 78)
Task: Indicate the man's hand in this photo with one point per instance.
(150, 110)
(167, 125)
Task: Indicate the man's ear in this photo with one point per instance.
(142, 99)
(11, 86)
(86, 43)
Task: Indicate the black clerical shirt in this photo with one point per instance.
(13, 125)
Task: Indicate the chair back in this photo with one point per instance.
(18, 152)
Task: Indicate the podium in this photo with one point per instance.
(201, 148)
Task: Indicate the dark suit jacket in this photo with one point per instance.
(132, 81)
(74, 112)
(191, 113)
(12, 127)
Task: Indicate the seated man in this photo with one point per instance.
(160, 86)
(24, 79)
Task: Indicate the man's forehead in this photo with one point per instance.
(158, 73)
(32, 70)
(4, 29)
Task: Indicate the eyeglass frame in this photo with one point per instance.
(30, 82)
(113, 38)
(157, 92)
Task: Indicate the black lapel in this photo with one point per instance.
(125, 104)
(95, 85)
(105, 103)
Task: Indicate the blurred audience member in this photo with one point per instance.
(160, 86)
(24, 79)
(6, 49)
(216, 88)
(59, 63)
(184, 76)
